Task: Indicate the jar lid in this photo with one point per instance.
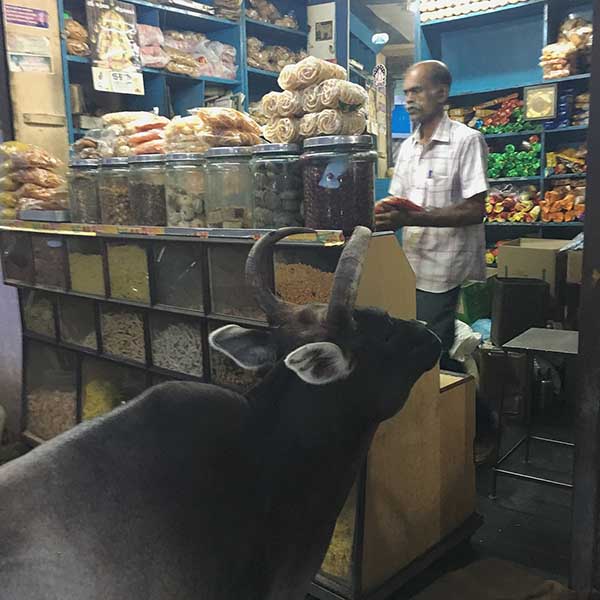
(115, 161)
(84, 162)
(185, 156)
(276, 148)
(229, 151)
(339, 140)
(147, 158)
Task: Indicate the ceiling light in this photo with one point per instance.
(380, 38)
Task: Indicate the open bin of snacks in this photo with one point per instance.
(123, 333)
(223, 371)
(128, 271)
(86, 267)
(178, 269)
(49, 261)
(304, 274)
(17, 258)
(176, 343)
(51, 390)
(105, 385)
(77, 318)
(39, 310)
(230, 295)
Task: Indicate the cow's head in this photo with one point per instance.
(335, 345)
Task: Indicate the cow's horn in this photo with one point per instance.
(348, 271)
(258, 266)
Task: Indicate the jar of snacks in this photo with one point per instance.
(229, 188)
(339, 182)
(185, 191)
(147, 189)
(83, 191)
(113, 190)
(277, 178)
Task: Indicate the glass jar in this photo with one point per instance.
(229, 188)
(113, 191)
(147, 189)
(277, 177)
(185, 190)
(83, 191)
(339, 182)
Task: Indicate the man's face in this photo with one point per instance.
(423, 98)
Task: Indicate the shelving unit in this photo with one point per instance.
(173, 93)
(495, 53)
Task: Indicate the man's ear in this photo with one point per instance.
(249, 348)
(319, 363)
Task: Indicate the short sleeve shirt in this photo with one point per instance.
(442, 173)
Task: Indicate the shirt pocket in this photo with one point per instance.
(438, 188)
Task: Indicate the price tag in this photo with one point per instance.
(118, 82)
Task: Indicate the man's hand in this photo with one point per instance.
(392, 219)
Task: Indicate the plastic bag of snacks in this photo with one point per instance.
(23, 156)
(226, 118)
(148, 35)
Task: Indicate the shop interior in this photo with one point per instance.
(163, 138)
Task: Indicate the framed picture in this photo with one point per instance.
(540, 101)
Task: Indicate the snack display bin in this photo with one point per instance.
(230, 295)
(50, 390)
(39, 312)
(178, 269)
(106, 385)
(17, 257)
(86, 267)
(123, 332)
(49, 261)
(128, 271)
(77, 322)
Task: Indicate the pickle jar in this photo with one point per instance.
(185, 190)
(229, 188)
(277, 179)
(83, 190)
(113, 190)
(339, 182)
(147, 189)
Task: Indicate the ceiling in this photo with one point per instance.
(386, 16)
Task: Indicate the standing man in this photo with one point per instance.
(441, 167)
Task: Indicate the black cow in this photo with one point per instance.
(193, 492)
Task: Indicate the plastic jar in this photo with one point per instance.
(277, 178)
(83, 190)
(229, 188)
(147, 189)
(339, 182)
(113, 190)
(185, 190)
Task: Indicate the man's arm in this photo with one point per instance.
(469, 212)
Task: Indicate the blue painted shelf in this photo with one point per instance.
(273, 33)
(493, 136)
(262, 72)
(573, 129)
(567, 176)
(515, 179)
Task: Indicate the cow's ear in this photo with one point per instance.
(249, 348)
(319, 363)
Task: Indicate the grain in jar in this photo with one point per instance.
(147, 190)
(339, 182)
(123, 333)
(17, 257)
(86, 267)
(83, 191)
(113, 191)
(77, 318)
(229, 198)
(49, 260)
(128, 271)
(277, 179)
(38, 312)
(185, 190)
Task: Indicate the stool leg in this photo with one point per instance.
(529, 405)
(494, 476)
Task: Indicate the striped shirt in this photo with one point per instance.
(444, 172)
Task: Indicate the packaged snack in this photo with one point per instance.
(23, 156)
(38, 176)
(148, 35)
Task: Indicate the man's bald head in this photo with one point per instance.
(434, 70)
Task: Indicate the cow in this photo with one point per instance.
(194, 492)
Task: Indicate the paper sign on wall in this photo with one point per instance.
(118, 82)
(28, 53)
(28, 17)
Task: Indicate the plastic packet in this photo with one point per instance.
(154, 57)
(226, 118)
(9, 184)
(75, 30)
(78, 48)
(23, 156)
(38, 176)
(124, 117)
(8, 199)
(145, 136)
(148, 35)
(8, 213)
(151, 147)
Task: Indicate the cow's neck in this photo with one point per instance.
(311, 447)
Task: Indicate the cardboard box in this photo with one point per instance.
(533, 258)
(575, 266)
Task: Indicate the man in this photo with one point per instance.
(442, 168)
